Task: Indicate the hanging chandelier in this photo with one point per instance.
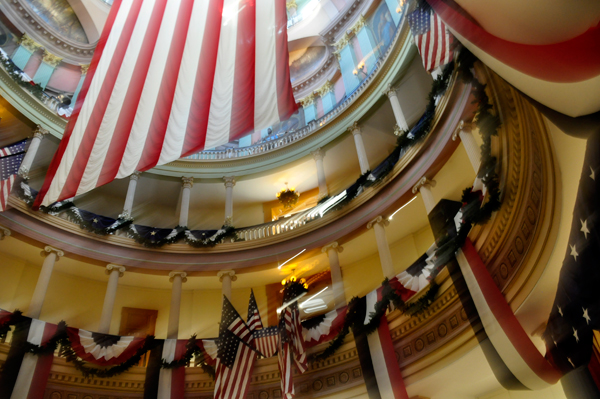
(288, 197)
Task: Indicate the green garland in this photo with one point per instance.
(15, 73)
(192, 350)
(228, 232)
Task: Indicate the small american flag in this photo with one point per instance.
(254, 322)
(10, 161)
(266, 340)
(431, 37)
(235, 356)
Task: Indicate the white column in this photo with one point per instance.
(229, 183)
(424, 187)
(4, 232)
(398, 114)
(226, 277)
(38, 135)
(127, 208)
(318, 155)
(360, 148)
(177, 278)
(187, 183)
(114, 272)
(332, 250)
(464, 131)
(39, 294)
(385, 256)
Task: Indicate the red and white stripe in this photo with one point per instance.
(171, 381)
(170, 78)
(35, 370)
(434, 46)
(329, 328)
(254, 322)
(84, 346)
(267, 344)
(5, 189)
(233, 383)
(285, 371)
(503, 329)
(239, 328)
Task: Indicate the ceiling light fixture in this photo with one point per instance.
(280, 266)
(402, 207)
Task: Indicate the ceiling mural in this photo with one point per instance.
(307, 63)
(61, 17)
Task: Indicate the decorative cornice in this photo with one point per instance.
(334, 246)
(183, 276)
(187, 182)
(29, 43)
(229, 273)
(48, 250)
(378, 220)
(51, 59)
(423, 181)
(116, 268)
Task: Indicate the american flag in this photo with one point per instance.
(291, 343)
(266, 340)
(10, 160)
(235, 355)
(431, 37)
(576, 310)
(254, 321)
(168, 79)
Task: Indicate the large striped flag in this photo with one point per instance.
(10, 160)
(431, 37)
(170, 78)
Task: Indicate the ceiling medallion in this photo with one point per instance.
(288, 197)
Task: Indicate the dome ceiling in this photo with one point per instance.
(61, 17)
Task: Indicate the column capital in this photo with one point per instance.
(183, 276)
(187, 182)
(423, 181)
(135, 176)
(51, 59)
(308, 100)
(229, 181)
(84, 68)
(48, 250)
(29, 43)
(390, 91)
(355, 128)
(39, 132)
(230, 273)
(398, 131)
(462, 127)
(318, 154)
(110, 268)
(334, 246)
(378, 220)
(4, 232)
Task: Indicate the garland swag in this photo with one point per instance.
(474, 211)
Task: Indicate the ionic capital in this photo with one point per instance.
(4, 232)
(224, 273)
(39, 132)
(117, 268)
(84, 68)
(51, 59)
(355, 128)
(390, 91)
(229, 181)
(423, 181)
(318, 154)
(378, 220)
(48, 250)
(334, 246)
(135, 176)
(187, 182)
(183, 276)
(462, 127)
